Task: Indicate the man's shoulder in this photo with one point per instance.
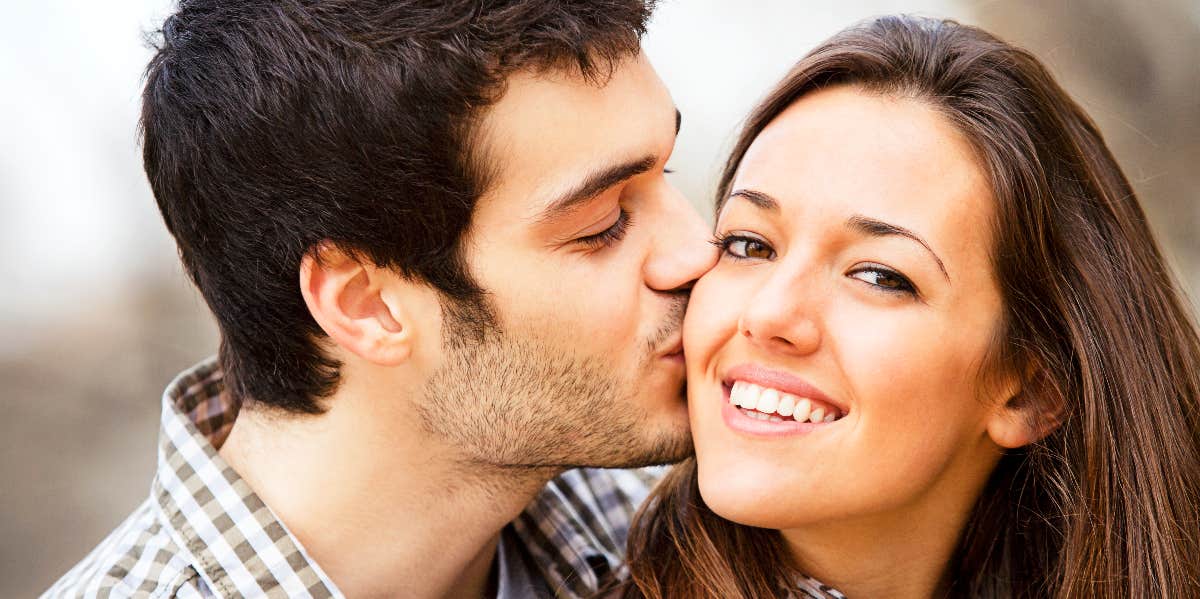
(137, 559)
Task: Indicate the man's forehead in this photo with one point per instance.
(553, 130)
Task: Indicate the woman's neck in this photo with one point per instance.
(901, 553)
(896, 561)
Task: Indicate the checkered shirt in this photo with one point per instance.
(811, 588)
(204, 533)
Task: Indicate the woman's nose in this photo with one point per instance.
(781, 317)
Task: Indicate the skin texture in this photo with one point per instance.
(874, 502)
(437, 437)
(575, 374)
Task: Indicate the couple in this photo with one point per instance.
(934, 352)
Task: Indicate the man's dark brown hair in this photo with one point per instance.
(272, 126)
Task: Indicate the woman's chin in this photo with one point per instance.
(751, 498)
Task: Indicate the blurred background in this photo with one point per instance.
(96, 315)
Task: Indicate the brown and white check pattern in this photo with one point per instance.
(204, 533)
(811, 588)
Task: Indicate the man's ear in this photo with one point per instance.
(1031, 410)
(346, 299)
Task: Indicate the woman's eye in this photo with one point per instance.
(885, 279)
(742, 247)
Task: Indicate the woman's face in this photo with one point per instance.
(855, 292)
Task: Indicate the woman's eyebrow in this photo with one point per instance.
(862, 224)
(757, 198)
(877, 228)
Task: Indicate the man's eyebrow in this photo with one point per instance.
(594, 184)
(878, 228)
(597, 182)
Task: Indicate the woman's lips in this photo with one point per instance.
(737, 419)
(760, 401)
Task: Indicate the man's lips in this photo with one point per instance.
(673, 350)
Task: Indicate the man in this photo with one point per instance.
(447, 270)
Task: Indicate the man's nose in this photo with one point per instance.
(680, 251)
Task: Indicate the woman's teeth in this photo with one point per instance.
(775, 406)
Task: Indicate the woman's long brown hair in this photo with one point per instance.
(1107, 504)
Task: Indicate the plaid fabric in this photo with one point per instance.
(811, 588)
(204, 533)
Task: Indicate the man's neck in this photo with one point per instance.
(382, 509)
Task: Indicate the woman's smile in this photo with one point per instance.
(838, 340)
(939, 354)
(760, 401)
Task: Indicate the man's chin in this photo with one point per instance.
(660, 449)
(669, 442)
(654, 449)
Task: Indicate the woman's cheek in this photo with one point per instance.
(711, 318)
(908, 383)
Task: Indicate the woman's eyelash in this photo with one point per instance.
(609, 236)
(719, 240)
(881, 278)
(726, 242)
(898, 283)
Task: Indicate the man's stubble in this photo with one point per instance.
(513, 400)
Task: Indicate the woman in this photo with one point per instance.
(941, 354)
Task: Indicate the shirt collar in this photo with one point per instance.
(236, 543)
(574, 530)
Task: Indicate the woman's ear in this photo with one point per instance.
(1032, 409)
(346, 298)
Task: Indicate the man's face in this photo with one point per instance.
(585, 251)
